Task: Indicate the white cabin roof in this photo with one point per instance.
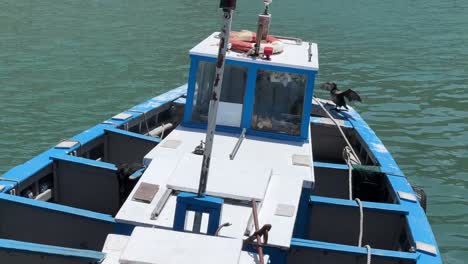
(293, 56)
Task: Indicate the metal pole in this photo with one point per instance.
(258, 238)
(228, 7)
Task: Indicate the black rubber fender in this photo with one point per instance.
(421, 195)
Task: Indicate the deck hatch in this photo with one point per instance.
(285, 210)
(146, 192)
(172, 144)
(66, 144)
(301, 160)
(122, 116)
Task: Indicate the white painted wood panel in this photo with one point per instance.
(159, 246)
(226, 179)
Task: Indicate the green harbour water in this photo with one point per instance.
(67, 65)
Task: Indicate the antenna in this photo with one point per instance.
(228, 6)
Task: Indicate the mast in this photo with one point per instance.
(263, 27)
(228, 6)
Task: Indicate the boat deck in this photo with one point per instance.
(266, 171)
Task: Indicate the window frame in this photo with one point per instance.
(249, 98)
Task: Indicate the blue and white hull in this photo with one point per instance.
(72, 225)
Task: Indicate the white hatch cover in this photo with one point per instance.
(160, 246)
(226, 179)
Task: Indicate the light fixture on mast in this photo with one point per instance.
(263, 27)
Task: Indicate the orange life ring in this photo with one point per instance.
(244, 41)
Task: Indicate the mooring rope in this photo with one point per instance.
(350, 181)
(369, 255)
(338, 126)
(144, 119)
(350, 160)
(361, 221)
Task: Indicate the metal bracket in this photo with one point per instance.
(421, 246)
(109, 123)
(122, 116)
(67, 144)
(236, 147)
(407, 196)
(160, 205)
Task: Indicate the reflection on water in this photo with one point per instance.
(66, 65)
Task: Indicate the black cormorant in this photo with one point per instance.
(338, 97)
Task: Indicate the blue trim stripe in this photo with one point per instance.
(307, 105)
(315, 120)
(330, 165)
(397, 255)
(85, 255)
(22, 172)
(384, 207)
(159, 100)
(56, 207)
(249, 97)
(249, 64)
(83, 161)
(418, 223)
(191, 89)
(131, 134)
(375, 145)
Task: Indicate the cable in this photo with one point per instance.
(369, 255)
(361, 221)
(338, 126)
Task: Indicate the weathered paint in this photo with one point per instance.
(418, 223)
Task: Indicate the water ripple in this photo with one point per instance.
(67, 66)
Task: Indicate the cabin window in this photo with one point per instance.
(232, 93)
(279, 100)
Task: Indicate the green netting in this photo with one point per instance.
(366, 170)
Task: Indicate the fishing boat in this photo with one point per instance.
(240, 165)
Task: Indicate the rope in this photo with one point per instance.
(350, 181)
(369, 255)
(144, 118)
(350, 160)
(361, 221)
(338, 126)
(162, 132)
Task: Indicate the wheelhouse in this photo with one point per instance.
(268, 98)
